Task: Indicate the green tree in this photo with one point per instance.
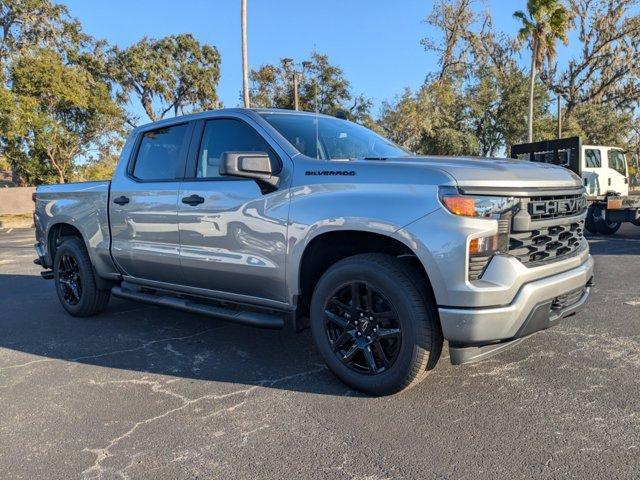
(172, 74)
(433, 121)
(54, 114)
(28, 24)
(543, 24)
(323, 87)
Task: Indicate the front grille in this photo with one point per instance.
(568, 299)
(546, 244)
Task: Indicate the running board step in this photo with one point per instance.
(252, 319)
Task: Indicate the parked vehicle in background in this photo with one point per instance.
(605, 175)
(262, 216)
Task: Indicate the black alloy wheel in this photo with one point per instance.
(374, 321)
(75, 280)
(69, 281)
(362, 328)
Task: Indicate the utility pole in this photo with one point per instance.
(296, 98)
(297, 75)
(559, 119)
(245, 67)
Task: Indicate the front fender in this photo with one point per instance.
(381, 209)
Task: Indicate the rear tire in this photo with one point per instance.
(608, 228)
(75, 280)
(375, 324)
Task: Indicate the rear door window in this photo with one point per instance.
(592, 158)
(159, 153)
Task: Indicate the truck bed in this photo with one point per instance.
(84, 206)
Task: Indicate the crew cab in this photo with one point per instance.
(271, 217)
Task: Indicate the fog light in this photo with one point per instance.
(483, 245)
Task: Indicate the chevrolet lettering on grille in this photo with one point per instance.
(563, 206)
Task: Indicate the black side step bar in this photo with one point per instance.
(253, 319)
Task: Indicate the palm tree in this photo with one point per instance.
(245, 68)
(543, 24)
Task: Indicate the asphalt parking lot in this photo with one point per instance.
(144, 392)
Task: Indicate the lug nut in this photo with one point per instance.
(370, 318)
(356, 322)
(375, 329)
(359, 334)
(368, 337)
(362, 314)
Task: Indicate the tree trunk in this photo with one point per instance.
(57, 168)
(532, 85)
(148, 108)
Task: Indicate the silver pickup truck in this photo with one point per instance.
(267, 217)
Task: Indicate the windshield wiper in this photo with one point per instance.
(375, 158)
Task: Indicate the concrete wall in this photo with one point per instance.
(16, 200)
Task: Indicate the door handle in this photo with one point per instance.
(193, 200)
(121, 200)
(609, 181)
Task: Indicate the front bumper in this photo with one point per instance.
(474, 333)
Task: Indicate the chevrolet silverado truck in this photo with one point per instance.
(274, 217)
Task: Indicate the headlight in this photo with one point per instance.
(481, 250)
(475, 205)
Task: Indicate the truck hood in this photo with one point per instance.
(497, 172)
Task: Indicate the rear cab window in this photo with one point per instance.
(159, 153)
(617, 161)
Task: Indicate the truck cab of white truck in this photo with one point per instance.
(604, 171)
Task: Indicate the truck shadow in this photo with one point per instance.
(138, 337)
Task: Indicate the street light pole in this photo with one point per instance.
(245, 67)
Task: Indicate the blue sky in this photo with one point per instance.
(376, 42)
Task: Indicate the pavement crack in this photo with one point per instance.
(96, 469)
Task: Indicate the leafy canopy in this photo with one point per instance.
(173, 74)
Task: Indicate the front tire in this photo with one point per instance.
(375, 324)
(75, 281)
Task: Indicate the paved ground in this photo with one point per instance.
(143, 392)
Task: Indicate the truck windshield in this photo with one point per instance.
(328, 138)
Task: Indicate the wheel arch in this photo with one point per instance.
(55, 235)
(327, 248)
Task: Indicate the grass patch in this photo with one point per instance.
(23, 220)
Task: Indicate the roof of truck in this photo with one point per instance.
(208, 113)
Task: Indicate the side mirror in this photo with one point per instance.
(256, 165)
